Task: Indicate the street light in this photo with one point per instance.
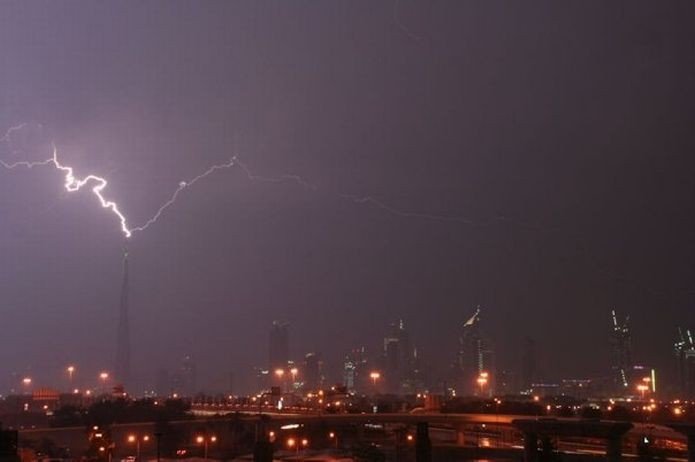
(137, 440)
(642, 389)
(374, 376)
(205, 440)
(334, 437)
(103, 376)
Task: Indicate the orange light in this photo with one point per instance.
(305, 442)
(104, 375)
(409, 437)
(331, 435)
(146, 438)
(131, 438)
(375, 375)
(199, 439)
(291, 442)
(279, 372)
(213, 439)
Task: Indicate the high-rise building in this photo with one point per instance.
(312, 371)
(621, 349)
(399, 357)
(188, 376)
(122, 366)
(684, 349)
(279, 348)
(475, 358)
(355, 372)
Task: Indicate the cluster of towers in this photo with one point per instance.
(398, 369)
(626, 373)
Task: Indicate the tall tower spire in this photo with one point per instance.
(123, 339)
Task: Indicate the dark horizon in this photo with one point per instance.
(406, 160)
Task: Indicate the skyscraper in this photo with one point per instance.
(312, 371)
(279, 348)
(621, 346)
(355, 369)
(399, 358)
(475, 357)
(685, 364)
(188, 376)
(122, 366)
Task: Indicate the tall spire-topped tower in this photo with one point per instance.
(123, 339)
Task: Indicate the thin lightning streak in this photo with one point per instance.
(401, 213)
(8, 134)
(399, 23)
(282, 178)
(183, 185)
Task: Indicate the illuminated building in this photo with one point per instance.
(621, 349)
(684, 349)
(475, 357)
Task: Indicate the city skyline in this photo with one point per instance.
(400, 369)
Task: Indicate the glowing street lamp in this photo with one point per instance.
(642, 389)
(135, 439)
(374, 376)
(294, 371)
(205, 440)
(333, 436)
(293, 443)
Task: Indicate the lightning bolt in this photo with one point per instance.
(281, 179)
(74, 184)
